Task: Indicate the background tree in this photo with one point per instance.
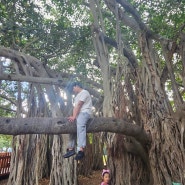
(145, 90)
(41, 30)
(138, 59)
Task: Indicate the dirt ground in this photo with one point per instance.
(94, 179)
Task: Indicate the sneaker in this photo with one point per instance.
(69, 153)
(79, 155)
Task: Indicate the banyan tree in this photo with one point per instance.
(130, 56)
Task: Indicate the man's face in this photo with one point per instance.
(75, 89)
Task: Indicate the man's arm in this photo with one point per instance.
(76, 111)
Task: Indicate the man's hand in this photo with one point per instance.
(76, 111)
(71, 118)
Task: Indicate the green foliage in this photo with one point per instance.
(57, 32)
(19, 23)
(5, 141)
(163, 17)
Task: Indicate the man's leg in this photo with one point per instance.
(81, 134)
(71, 145)
(72, 141)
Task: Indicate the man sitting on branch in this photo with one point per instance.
(82, 112)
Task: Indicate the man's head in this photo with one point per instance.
(75, 87)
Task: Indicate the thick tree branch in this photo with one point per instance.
(21, 78)
(7, 109)
(129, 8)
(61, 79)
(127, 52)
(134, 22)
(123, 15)
(38, 125)
(70, 75)
(41, 80)
(10, 99)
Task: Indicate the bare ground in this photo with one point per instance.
(94, 179)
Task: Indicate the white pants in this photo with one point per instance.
(81, 122)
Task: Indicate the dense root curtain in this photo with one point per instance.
(145, 98)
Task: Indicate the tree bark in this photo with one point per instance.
(18, 126)
(27, 66)
(21, 78)
(29, 156)
(138, 94)
(150, 107)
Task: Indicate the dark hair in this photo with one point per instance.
(73, 84)
(105, 173)
(76, 84)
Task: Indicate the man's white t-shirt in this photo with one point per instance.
(86, 98)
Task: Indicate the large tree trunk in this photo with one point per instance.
(147, 104)
(109, 87)
(31, 156)
(63, 170)
(29, 161)
(40, 108)
(93, 156)
(134, 92)
(166, 154)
